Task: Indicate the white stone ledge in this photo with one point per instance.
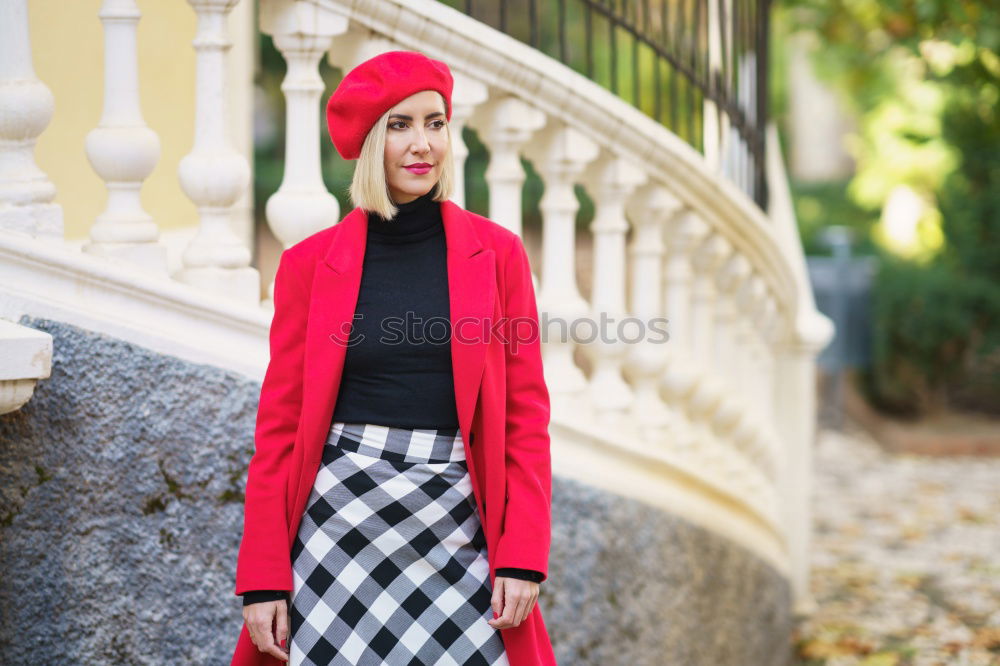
(658, 482)
(55, 281)
(25, 357)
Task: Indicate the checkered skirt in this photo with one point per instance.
(389, 563)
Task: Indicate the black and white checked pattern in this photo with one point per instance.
(389, 561)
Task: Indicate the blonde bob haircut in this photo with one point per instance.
(369, 188)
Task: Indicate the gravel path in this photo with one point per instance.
(906, 558)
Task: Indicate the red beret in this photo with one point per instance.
(374, 87)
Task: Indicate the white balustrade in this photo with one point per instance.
(707, 393)
(611, 181)
(123, 150)
(652, 207)
(750, 437)
(26, 359)
(302, 205)
(728, 406)
(504, 125)
(733, 271)
(214, 175)
(681, 232)
(26, 105)
(560, 154)
(796, 371)
(770, 329)
(467, 94)
(752, 297)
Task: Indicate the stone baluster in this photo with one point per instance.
(747, 432)
(611, 181)
(504, 126)
(26, 104)
(214, 175)
(737, 420)
(682, 233)
(757, 438)
(796, 394)
(769, 329)
(651, 208)
(123, 150)
(707, 395)
(732, 272)
(302, 205)
(467, 94)
(767, 441)
(754, 301)
(707, 259)
(743, 335)
(560, 154)
(751, 433)
(751, 436)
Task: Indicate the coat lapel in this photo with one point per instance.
(472, 293)
(336, 284)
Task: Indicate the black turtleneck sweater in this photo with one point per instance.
(397, 369)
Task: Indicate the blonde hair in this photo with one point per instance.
(369, 188)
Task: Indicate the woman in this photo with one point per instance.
(398, 502)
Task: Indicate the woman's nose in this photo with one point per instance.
(420, 143)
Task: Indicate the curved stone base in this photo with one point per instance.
(629, 584)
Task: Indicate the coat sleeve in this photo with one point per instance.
(264, 561)
(527, 530)
(523, 574)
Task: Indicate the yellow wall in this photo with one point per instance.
(68, 47)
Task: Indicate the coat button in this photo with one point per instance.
(472, 438)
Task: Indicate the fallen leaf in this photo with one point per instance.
(881, 659)
(987, 637)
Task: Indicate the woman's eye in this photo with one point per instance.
(437, 123)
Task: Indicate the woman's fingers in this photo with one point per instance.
(281, 628)
(517, 597)
(260, 620)
(522, 610)
(497, 601)
(525, 604)
(506, 617)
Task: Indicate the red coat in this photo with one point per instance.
(500, 391)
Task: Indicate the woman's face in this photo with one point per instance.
(417, 134)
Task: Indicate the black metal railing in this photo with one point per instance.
(655, 55)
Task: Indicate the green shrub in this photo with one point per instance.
(931, 326)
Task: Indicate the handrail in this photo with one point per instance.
(707, 52)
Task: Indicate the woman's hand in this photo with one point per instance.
(513, 599)
(261, 619)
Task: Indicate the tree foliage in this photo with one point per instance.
(923, 77)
